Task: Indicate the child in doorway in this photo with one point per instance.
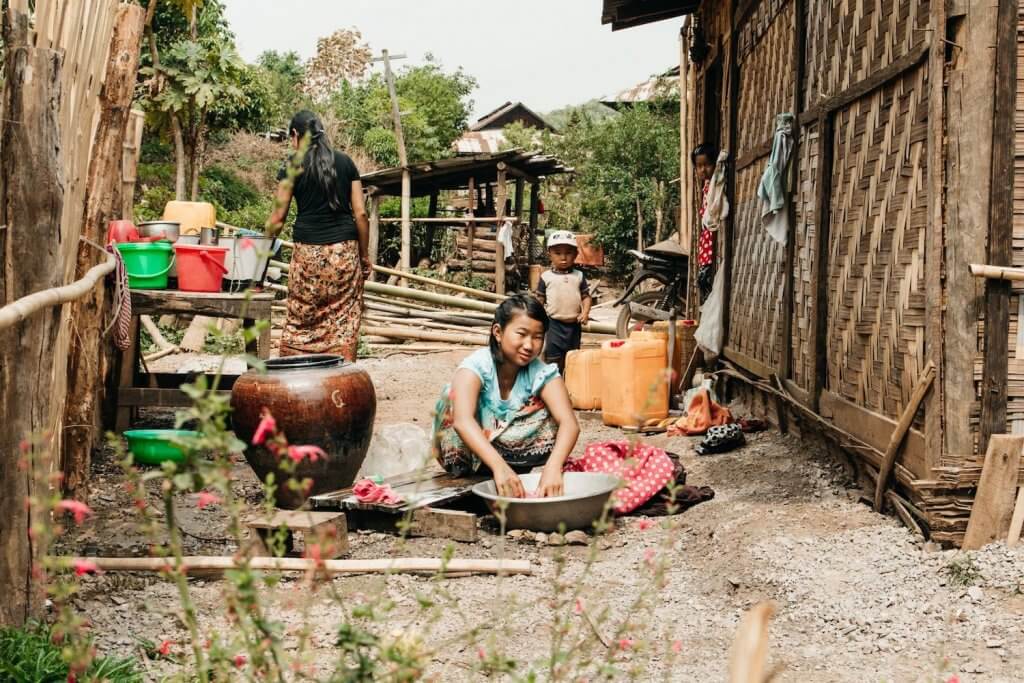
(703, 158)
(566, 297)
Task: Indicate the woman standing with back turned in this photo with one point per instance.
(330, 261)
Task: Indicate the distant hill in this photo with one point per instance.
(594, 109)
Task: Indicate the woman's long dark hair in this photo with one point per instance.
(318, 164)
(507, 309)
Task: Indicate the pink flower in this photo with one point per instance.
(649, 556)
(953, 679)
(266, 427)
(239, 661)
(246, 243)
(78, 509)
(165, 648)
(83, 567)
(644, 524)
(677, 646)
(481, 653)
(207, 498)
(625, 643)
(300, 453)
(24, 446)
(578, 609)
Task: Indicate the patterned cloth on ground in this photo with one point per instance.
(721, 439)
(645, 469)
(701, 414)
(325, 300)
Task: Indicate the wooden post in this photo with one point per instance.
(403, 161)
(432, 229)
(31, 203)
(728, 230)
(84, 371)
(130, 162)
(373, 245)
(499, 253)
(799, 50)
(992, 510)
(534, 215)
(685, 144)
(935, 239)
(518, 210)
(1000, 236)
(471, 232)
(822, 217)
(971, 80)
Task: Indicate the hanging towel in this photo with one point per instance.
(717, 207)
(773, 191)
(505, 237)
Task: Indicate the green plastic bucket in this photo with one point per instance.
(154, 446)
(147, 263)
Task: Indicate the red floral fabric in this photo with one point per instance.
(645, 469)
(706, 242)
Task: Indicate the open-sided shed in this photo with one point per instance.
(902, 177)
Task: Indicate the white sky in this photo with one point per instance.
(545, 53)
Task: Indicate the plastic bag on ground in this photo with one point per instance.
(396, 449)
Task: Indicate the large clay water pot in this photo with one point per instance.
(319, 400)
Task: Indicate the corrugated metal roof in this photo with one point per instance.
(454, 173)
(480, 141)
(661, 85)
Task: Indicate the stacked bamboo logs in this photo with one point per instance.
(480, 260)
(452, 314)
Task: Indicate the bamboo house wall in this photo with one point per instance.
(890, 178)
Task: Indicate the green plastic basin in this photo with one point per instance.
(155, 446)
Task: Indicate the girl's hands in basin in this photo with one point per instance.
(508, 483)
(551, 483)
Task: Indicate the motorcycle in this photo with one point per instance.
(667, 264)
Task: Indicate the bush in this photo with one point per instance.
(224, 189)
(29, 655)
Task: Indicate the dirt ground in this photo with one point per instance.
(859, 598)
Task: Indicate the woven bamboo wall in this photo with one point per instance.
(766, 81)
(804, 258)
(848, 40)
(758, 270)
(876, 251)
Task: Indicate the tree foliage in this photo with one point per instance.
(284, 74)
(625, 189)
(340, 58)
(435, 108)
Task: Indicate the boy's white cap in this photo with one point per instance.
(562, 237)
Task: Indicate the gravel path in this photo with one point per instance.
(858, 597)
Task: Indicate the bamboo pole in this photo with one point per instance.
(424, 335)
(443, 220)
(26, 306)
(997, 272)
(429, 315)
(480, 294)
(398, 565)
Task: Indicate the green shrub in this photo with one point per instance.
(29, 655)
(221, 187)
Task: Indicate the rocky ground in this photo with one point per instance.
(858, 597)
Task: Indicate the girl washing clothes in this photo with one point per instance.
(506, 411)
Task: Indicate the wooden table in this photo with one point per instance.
(134, 390)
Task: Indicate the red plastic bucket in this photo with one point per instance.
(200, 268)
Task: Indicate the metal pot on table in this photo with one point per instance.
(167, 230)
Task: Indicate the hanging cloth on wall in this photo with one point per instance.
(717, 208)
(773, 190)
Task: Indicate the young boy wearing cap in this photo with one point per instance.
(566, 297)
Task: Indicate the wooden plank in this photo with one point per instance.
(216, 305)
(297, 520)
(935, 237)
(749, 364)
(994, 501)
(397, 565)
(875, 430)
(867, 85)
(134, 397)
(822, 217)
(1000, 236)
(728, 230)
(1017, 521)
(534, 213)
(924, 382)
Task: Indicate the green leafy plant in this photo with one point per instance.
(31, 655)
(962, 570)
